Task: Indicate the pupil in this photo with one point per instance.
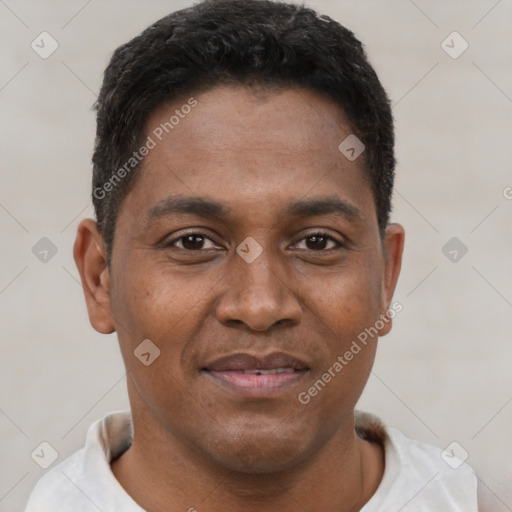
(193, 242)
(317, 242)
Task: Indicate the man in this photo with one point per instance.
(243, 172)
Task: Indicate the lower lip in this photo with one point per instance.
(252, 384)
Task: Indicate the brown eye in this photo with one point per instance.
(316, 242)
(193, 242)
(319, 242)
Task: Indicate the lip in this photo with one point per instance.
(244, 361)
(279, 372)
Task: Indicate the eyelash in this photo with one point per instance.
(329, 238)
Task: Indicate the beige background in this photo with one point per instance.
(443, 374)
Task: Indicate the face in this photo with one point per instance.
(248, 252)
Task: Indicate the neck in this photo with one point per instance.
(159, 470)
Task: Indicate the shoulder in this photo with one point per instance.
(84, 482)
(59, 488)
(419, 476)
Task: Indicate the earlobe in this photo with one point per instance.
(91, 261)
(393, 246)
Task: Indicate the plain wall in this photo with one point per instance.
(443, 374)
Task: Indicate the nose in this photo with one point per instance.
(258, 296)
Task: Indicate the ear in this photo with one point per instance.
(393, 249)
(91, 261)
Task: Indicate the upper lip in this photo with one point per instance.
(243, 361)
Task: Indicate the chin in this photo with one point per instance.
(259, 452)
(254, 458)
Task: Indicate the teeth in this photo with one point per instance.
(269, 372)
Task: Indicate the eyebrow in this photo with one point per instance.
(325, 206)
(187, 205)
(178, 205)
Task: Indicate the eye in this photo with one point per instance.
(193, 242)
(319, 242)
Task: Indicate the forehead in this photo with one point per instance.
(245, 146)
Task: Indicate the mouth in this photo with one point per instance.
(257, 376)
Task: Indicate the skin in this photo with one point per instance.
(196, 442)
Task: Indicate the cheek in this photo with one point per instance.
(155, 324)
(151, 303)
(344, 309)
(345, 302)
(154, 301)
